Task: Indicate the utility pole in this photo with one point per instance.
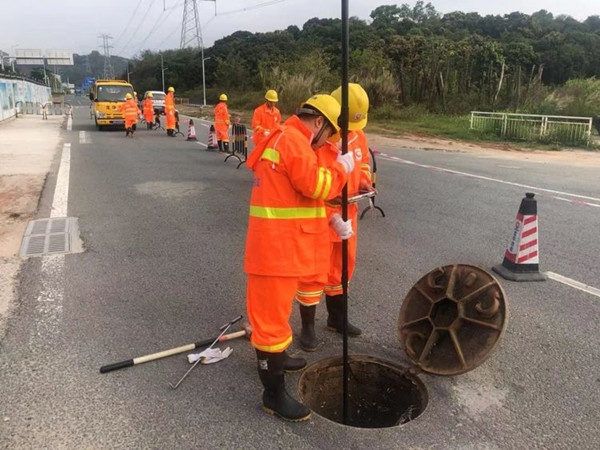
(108, 73)
(162, 70)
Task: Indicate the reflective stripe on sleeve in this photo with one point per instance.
(323, 184)
(270, 154)
(264, 212)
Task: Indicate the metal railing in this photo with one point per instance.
(532, 127)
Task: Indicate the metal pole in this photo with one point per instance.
(162, 69)
(203, 78)
(344, 124)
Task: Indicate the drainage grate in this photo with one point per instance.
(51, 236)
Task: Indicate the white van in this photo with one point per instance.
(158, 99)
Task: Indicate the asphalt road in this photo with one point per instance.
(163, 225)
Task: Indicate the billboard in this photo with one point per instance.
(39, 57)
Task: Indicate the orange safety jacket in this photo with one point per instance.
(264, 121)
(287, 227)
(148, 110)
(170, 111)
(131, 111)
(357, 143)
(222, 121)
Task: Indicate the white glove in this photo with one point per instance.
(266, 133)
(210, 355)
(343, 229)
(347, 161)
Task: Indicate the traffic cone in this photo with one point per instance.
(191, 132)
(212, 139)
(522, 257)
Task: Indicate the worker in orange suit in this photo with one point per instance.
(287, 237)
(266, 117)
(131, 112)
(170, 111)
(359, 181)
(148, 111)
(222, 122)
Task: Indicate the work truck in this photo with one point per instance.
(107, 96)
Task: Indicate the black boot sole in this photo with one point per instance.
(272, 412)
(336, 330)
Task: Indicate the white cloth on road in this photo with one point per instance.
(210, 355)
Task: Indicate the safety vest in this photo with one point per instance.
(264, 119)
(130, 109)
(148, 109)
(287, 225)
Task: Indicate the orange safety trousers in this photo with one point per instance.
(269, 305)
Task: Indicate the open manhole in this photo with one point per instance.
(380, 393)
(450, 322)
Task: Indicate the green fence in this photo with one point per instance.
(531, 127)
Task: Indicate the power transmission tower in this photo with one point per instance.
(108, 73)
(88, 66)
(190, 26)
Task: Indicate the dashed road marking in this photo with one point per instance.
(574, 283)
(84, 137)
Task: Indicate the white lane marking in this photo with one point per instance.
(51, 296)
(496, 180)
(70, 123)
(61, 191)
(574, 283)
(202, 144)
(84, 137)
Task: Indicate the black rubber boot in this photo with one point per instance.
(220, 144)
(335, 319)
(276, 400)
(226, 146)
(126, 132)
(308, 339)
(291, 364)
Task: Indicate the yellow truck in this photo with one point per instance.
(107, 96)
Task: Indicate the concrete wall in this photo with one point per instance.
(13, 91)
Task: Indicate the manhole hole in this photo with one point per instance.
(380, 394)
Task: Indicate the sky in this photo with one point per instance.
(137, 25)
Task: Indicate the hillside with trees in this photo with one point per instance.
(404, 56)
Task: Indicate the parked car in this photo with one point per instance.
(158, 99)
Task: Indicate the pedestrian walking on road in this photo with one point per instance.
(359, 181)
(266, 117)
(287, 237)
(131, 112)
(222, 122)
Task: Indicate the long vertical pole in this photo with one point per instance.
(162, 69)
(344, 125)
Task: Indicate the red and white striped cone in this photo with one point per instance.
(522, 257)
(191, 135)
(212, 139)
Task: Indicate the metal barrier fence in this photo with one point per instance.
(532, 127)
(46, 109)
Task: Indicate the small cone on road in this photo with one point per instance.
(522, 257)
(212, 139)
(191, 135)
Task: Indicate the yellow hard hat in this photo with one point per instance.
(358, 105)
(171, 89)
(128, 96)
(223, 97)
(149, 95)
(271, 96)
(326, 105)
